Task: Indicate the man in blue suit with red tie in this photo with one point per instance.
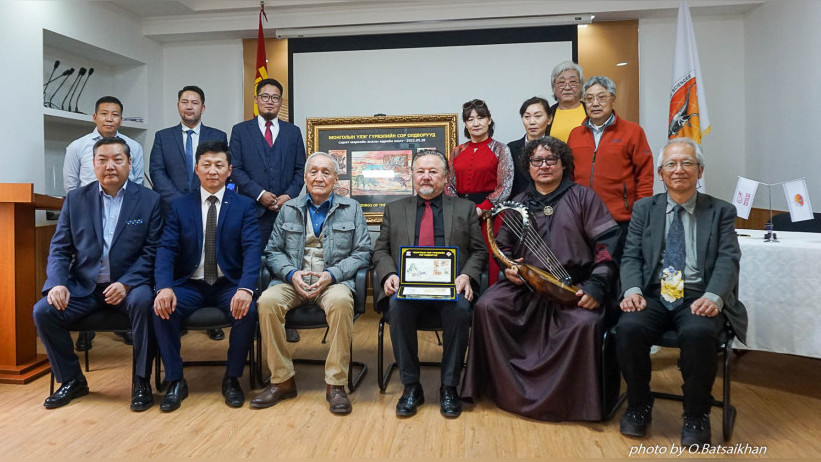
(171, 164)
(208, 255)
(101, 258)
(269, 157)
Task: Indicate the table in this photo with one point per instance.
(779, 284)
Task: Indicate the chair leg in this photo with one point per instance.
(325, 337)
(383, 377)
(252, 366)
(51, 387)
(87, 368)
(438, 338)
(728, 412)
(354, 381)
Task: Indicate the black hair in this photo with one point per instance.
(112, 140)
(556, 147)
(108, 99)
(535, 100)
(481, 110)
(264, 82)
(193, 88)
(215, 147)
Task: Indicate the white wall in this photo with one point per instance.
(21, 52)
(721, 50)
(783, 46)
(214, 66)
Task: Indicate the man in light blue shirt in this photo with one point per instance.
(78, 166)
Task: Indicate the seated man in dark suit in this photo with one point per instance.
(679, 271)
(429, 219)
(171, 164)
(101, 258)
(208, 255)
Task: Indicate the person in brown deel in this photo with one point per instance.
(533, 356)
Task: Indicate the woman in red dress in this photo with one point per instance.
(481, 169)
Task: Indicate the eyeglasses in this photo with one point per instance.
(603, 98)
(567, 83)
(672, 166)
(474, 103)
(539, 161)
(264, 97)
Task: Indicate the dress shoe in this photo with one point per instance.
(177, 391)
(68, 390)
(84, 340)
(216, 334)
(412, 398)
(696, 430)
(128, 339)
(635, 419)
(291, 335)
(232, 392)
(335, 395)
(451, 404)
(141, 396)
(274, 393)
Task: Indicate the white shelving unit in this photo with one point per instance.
(114, 74)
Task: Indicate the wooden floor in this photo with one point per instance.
(778, 399)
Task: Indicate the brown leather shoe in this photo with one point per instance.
(338, 399)
(275, 393)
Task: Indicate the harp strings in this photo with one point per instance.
(533, 242)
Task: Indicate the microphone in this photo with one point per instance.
(56, 64)
(76, 101)
(72, 89)
(64, 77)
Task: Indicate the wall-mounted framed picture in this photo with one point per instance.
(375, 153)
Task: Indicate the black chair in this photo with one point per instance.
(783, 222)
(429, 323)
(311, 316)
(100, 321)
(207, 318)
(669, 339)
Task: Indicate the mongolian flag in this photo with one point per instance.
(262, 62)
(688, 105)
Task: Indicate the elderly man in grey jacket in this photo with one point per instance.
(319, 241)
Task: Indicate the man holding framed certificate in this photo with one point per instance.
(428, 223)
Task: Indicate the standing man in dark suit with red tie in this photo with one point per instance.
(208, 255)
(427, 219)
(171, 164)
(269, 160)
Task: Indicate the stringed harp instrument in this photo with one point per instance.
(554, 283)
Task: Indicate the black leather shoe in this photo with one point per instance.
(412, 398)
(141, 396)
(696, 430)
(232, 392)
(216, 334)
(635, 419)
(128, 339)
(451, 404)
(69, 390)
(291, 335)
(177, 391)
(84, 340)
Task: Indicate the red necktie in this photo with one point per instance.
(268, 136)
(426, 226)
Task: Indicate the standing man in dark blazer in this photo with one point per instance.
(208, 254)
(679, 271)
(171, 164)
(101, 258)
(269, 161)
(451, 222)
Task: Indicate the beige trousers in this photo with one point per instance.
(337, 302)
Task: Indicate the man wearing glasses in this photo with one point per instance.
(611, 154)
(679, 271)
(269, 160)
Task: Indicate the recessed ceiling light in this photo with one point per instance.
(621, 64)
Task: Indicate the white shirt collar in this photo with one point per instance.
(196, 128)
(261, 121)
(204, 195)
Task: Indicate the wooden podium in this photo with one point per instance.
(19, 361)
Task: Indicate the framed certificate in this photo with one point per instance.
(427, 273)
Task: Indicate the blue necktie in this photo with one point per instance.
(189, 158)
(672, 277)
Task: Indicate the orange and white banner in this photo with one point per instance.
(798, 199)
(744, 195)
(688, 105)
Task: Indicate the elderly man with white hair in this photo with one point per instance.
(319, 241)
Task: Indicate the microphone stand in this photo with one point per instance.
(66, 74)
(49, 80)
(77, 101)
(72, 89)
